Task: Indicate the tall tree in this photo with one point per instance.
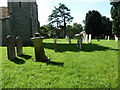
(77, 28)
(93, 23)
(60, 16)
(107, 26)
(115, 14)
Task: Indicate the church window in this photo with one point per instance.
(19, 4)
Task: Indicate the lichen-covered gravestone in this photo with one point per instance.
(19, 46)
(39, 49)
(10, 47)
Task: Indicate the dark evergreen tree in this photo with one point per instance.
(107, 26)
(93, 23)
(115, 14)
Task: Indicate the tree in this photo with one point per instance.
(107, 26)
(47, 30)
(61, 16)
(77, 28)
(115, 14)
(93, 23)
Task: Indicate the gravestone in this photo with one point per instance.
(10, 47)
(79, 41)
(55, 44)
(39, 49)
(19, 46)
(108, 38)
(90, 41)
(68, 39)
(86, 38)
(116, 38)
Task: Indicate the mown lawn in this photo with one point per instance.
(95, 66)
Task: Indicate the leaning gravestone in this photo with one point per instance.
(19, 46)
(10, 47)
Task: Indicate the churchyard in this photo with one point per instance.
(93, 66)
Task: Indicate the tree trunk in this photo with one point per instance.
(64, 27)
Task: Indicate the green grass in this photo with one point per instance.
(95, 66)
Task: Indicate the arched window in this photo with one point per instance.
(19, 4)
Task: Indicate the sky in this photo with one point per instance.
(78, 8)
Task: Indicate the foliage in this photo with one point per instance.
(61, 16)
(47, 30)
(77, 28)
(107, 26)
(93, 23)
(95, 66)
(115, 14)
(74, 29)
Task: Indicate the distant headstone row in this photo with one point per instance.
(11, 43)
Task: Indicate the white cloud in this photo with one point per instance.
(3, 3)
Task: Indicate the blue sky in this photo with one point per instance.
(78, 8)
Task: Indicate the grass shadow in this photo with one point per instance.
(55, 63)
(62, 47)
(73, 47)
(18, 61)
(25, 56)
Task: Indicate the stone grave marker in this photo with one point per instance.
(19, 46)
(79, 44)
(108, 38)
(39, 49)
(90, 41)
(10, 47)
(116, 38)
(55, 44)
(79, 41)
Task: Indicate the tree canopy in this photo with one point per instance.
(93, 23)
(115, 14)
(60, 16)
(107, 26)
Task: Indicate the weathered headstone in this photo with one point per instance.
(10, 47)
(68, 39)
(19, 46)
(116, 38)
(108, 38)
(39, 49)
(86, 38)
(55, 44)
(105, 37)
(90, 41)
(79, 41)
(79, 45)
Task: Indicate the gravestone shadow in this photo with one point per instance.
(18, 61)
(25, 56)
(62, 47)
(73, 47)
(55, 63)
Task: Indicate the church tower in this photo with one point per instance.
(24, 19)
